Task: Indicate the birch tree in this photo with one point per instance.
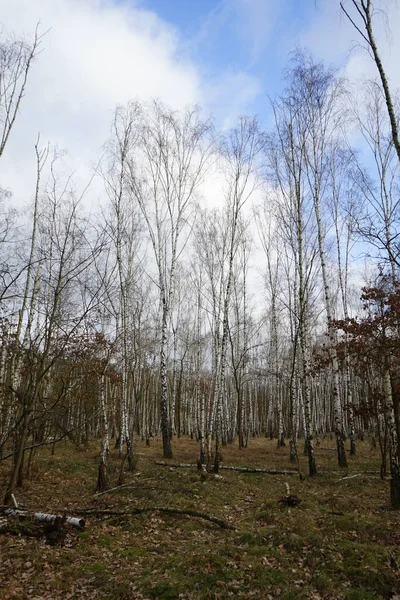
(242, 335)
(287, 166)
(344, 206)
(211, 248)
(167, 166)
(318, 98)
(241, 154)
(123, 227)
(362, 15)
(16, 59)
(378, 222)
(272, 242)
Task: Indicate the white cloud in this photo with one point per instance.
(96, 54)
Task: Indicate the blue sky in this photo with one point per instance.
(228, 56)
(247, 37)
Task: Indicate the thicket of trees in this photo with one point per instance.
(143, 320)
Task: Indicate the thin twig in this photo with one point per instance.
(118, 487)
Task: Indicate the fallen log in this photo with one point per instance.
(175, 465)
(166, 510)
(74, 521)
(38, 525)
(256, 470)
(228, 468)
(45, 517)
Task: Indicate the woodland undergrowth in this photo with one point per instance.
(341, 542)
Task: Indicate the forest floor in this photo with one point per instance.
(341, 542)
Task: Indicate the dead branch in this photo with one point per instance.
(349, 477)
(228, 468)
(175, 465)
(118, 487)
(267, 471)
(166, 510)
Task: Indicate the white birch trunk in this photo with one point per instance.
(393, 441)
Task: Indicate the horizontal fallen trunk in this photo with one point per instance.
(52, 528)
(166, 510)
(255, 470)
(175, 465)
(228, 468)
(45, 517)
(74, 521)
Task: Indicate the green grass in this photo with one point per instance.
(339, 543)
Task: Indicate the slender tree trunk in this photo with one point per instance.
(364, 10)
(393, 442)
(337, 408)
(165, 422)
(102, 479)
(15, 474)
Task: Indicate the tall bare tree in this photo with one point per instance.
(241, 156)
(361, 14)
(287, 166)
(16, 58)
(378, 187)
(122, 228)
(318, 98)
(54, 312)
(167, 166)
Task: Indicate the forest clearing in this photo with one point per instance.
(341, 542)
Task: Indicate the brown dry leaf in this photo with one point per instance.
(268, 562)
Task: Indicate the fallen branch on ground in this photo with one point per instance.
(118, 487)
(166, 510)
(45, 517)
(228, 468)
(289, 499)
(175, 465)
(256, 470)
(350, 477)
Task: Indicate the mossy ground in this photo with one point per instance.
(341, 542)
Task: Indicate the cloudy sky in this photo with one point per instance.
(227, 55)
